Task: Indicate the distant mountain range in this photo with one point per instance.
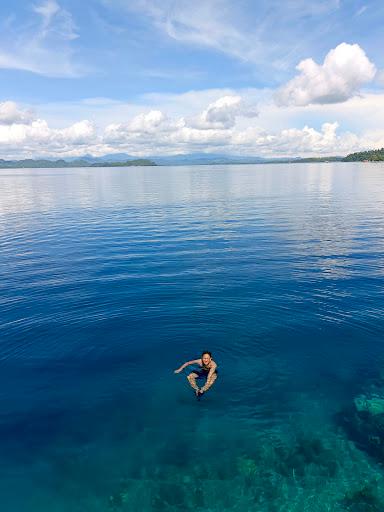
(181, 159)
(124, 160)
(207, 159)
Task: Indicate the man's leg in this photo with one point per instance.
(192, 380)
(209, 383)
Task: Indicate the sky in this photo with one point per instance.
(162, 77)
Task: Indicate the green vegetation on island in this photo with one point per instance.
(374, 155)
(123, 160)
(209, 159)
(56, 164)
(139, 162)
(304, 160)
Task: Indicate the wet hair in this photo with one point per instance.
(206, 352)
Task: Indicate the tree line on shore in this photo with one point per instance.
(374, 155)
(29, 163)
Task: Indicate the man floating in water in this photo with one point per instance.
(208, 369)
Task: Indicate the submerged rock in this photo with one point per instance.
(365, 499)
(373, 405)
(364, 420)
(295, 460)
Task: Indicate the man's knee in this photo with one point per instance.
(191, 376)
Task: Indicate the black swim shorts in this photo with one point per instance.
(201, 374)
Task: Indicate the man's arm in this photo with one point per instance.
(195, 361)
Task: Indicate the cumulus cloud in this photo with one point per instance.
(82, 132)
(299, 141)
(10, 113)
(144, 128)
(156, 133)
(222, 113)
(148, 122)
(344, 71)
(38, 138)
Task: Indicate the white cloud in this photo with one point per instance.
(207, 24)
(245, 31)
(143, 128)
(42, 44)
(192, 137)
(14, 134)
(293, 141)
(344, 71)
(10, 113)
(82, 132)
(154, 132)
(47, 10)
(379, 78)
(55, 20)
(222, 113)
(148, 122)
(21, 140)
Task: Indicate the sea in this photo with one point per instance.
(111, 278)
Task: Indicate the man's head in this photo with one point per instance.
(206, 357)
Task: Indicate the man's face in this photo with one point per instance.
(206, 359)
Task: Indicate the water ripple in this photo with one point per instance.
(147, 269)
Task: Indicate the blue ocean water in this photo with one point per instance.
(111, 278)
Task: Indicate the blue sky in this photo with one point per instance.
(150, 77)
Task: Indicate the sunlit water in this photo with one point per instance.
(111, 278)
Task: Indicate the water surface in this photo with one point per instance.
(111, 278)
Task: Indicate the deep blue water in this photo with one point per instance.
(111, 278)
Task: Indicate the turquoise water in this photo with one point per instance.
(111, 278)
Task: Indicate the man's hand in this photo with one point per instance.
(178, 370)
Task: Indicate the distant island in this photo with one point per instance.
(49, 164)
(374, 155)
(306, 160)
(125, 160)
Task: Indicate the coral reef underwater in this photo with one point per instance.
(308, 474)
(363, 420)
(317, 461)
(314, 460)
